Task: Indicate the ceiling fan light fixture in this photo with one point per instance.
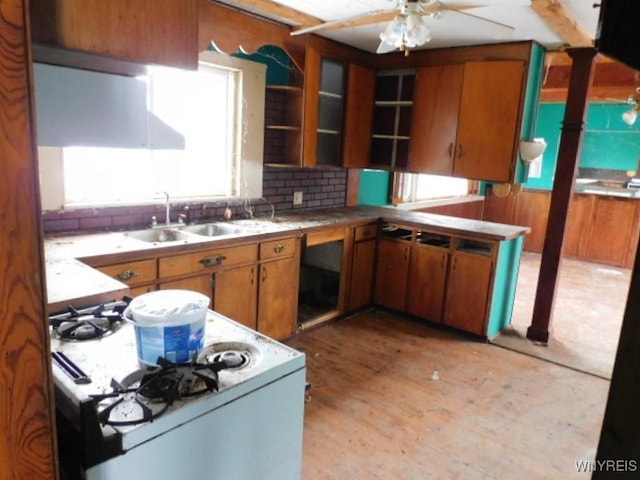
(406, 31)
(394, 33)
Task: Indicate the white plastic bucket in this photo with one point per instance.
(169, 324)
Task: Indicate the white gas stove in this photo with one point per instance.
(244, 421)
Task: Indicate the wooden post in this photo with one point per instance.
(568, 154)
(27, 429)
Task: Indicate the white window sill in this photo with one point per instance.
(437, 202)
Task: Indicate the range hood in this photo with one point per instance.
(84, 108)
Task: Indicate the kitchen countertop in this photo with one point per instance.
(70, 281)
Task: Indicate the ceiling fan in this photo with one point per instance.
(406, 28)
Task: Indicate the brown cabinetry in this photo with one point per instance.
(427, 278)
(612, 227)
(466, 120)
(236, 294)
(468, 287)
(362, 267)
(277, 305)
(436, 106)
(358, 117)
(323, 109)
(139, 275)
(92, 34)
(394, 251)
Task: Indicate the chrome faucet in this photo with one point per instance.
(167, 207)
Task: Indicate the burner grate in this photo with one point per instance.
(145, 394)
(89, 323)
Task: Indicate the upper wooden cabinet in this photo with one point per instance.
(324, 87)
(93, 34)
(358, 120)
(434, 129)
(466, 120)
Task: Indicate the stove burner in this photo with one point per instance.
(89, 323)
(146, 394)
(233, 358)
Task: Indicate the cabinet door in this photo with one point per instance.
(323, 110)
(362, 274)
(468, 292)
(426, 282)
(278, 298)
(489, 121)
(578, 227)
(133, 31)
(611, 230)
(436, 104)
(391, 274)
(236, 294)
(200, 284)
(358, 117)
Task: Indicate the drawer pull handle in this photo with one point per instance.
(127, 275)
(279, 248)
(213, 261)
(264, 274)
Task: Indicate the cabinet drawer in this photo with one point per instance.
(132, 273)
(325, 236)
(214, 259)
(277, 249)
(365, 232)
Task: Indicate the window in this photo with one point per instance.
(415, 187)
(213, 114)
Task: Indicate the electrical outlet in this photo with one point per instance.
(297, 198)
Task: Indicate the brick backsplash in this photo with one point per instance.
(321, 188)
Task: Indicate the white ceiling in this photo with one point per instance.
(450, 28)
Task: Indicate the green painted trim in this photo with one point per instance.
(531, 104)
(374, 187)
(504, 285)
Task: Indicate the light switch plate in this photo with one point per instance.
(297, 198)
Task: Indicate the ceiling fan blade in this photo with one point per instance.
(375, 16)
(508, 29)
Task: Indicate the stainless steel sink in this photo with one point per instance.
(213, 229)
(161, 235)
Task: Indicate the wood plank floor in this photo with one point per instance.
(587, 314)
(393, 398)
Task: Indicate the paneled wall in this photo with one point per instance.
(321, 188)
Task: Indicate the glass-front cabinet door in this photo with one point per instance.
(330, 112)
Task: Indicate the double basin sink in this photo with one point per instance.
(180, 233)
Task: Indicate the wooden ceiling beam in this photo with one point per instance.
(555, 15)
(268, 7)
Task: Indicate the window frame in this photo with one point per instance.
(248, 148)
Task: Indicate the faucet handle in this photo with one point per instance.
(181, 218)
(154, 221)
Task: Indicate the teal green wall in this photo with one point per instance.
(374, 187)
(608, 142)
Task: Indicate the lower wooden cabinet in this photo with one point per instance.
(612, 225)
(467, 295)
(464, 282)
(139, 275)
(200, 284)
(362, 270)
(235, 294)
(391, 273)
(278, 297)
(426, 282)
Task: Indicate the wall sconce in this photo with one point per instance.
(531, 149)
(629, 117)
